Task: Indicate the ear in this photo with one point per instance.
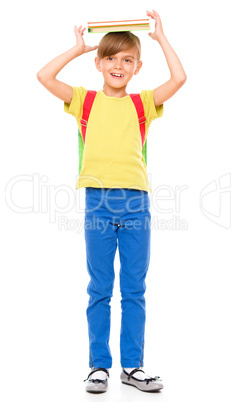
(140, 63)
(97, 64)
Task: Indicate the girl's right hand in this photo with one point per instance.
(80, 40)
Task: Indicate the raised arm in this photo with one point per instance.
(177, 73)
(47, 75)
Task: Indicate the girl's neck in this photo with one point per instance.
(115, 92)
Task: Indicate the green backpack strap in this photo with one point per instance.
(81, 149)
(144, 152)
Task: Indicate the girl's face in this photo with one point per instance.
(118, 69)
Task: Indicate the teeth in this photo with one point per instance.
(118, 75)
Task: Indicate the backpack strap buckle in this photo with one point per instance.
(142, 120)
(83, 122)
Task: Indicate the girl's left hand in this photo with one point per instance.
(156, 35)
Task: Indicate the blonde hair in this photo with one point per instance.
(115, 42)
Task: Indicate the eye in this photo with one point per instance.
(109, 58)
(128, 60)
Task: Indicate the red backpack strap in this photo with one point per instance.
(87, 106)
(136, 98)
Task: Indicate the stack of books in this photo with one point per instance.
(117, 26)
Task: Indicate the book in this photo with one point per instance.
(120, 22)
(117, 26)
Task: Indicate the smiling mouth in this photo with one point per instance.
(117, 75)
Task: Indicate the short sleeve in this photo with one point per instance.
(151, 111)
(75, 107)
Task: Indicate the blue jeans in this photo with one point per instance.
(117, 216)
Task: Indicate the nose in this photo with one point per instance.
(118, 64)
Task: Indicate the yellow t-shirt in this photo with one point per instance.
(112, 156)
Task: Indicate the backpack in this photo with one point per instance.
(87, 106)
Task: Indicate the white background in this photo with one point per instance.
(190, 329)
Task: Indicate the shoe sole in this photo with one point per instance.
(144, 390)
(96, 390)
